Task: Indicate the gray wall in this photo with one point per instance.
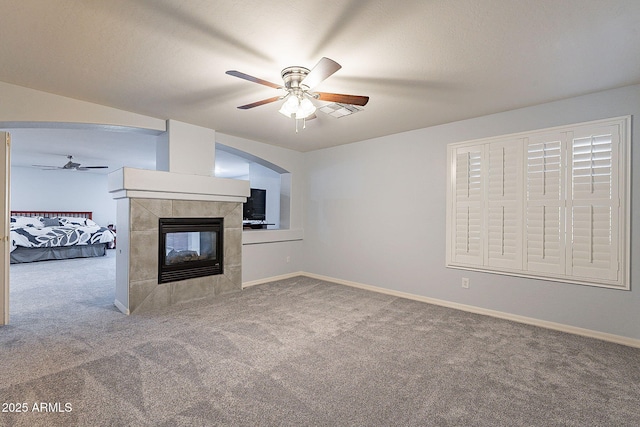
(375, 214)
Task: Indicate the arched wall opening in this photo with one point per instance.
(261, 174)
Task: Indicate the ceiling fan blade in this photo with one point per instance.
(93, 167)
(259, 103)
(323, 69)
(252, 79)
(47, 167)
(343, 99)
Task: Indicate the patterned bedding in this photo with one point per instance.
(33, 232)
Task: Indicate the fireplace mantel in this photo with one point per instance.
(152, 184)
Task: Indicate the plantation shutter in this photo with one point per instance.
(550, 204)
(468, 205)
(594, 203)
(504, 195)
(545, 224)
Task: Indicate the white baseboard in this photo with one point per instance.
(618, 339)
(272, 279)
(121, 307)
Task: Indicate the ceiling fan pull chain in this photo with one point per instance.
(296, 120)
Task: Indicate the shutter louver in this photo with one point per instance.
(545, 245)
(504, 205)
(593, 204)
(544, 168)
(545, 250)
(468, 207)
(591, 167)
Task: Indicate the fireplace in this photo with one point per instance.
(189, 248)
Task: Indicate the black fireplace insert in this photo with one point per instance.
(189, 248)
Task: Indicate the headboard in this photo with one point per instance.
(52, 214)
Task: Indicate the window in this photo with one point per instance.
(549, 204)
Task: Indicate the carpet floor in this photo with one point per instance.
(296, 352)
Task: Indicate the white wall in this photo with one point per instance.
(24, 107)
(50, 190)
(375, 215)
(186, 148)
(272, 253)
(21, 104)
(268, 260)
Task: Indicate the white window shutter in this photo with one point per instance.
(594, 203)
(468, 205)
(551, 204)
(545, 223)
(504, 195)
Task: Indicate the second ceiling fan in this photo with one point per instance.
(298, 86)
(70, 165)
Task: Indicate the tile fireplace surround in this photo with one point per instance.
(144, 291)
(145, 196)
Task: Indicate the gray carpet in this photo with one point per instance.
(296, 352)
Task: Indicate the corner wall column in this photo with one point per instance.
(186, 148)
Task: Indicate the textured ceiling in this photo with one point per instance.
(422, 62)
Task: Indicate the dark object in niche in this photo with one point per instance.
(255, 208)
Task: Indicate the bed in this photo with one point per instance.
(50, 235)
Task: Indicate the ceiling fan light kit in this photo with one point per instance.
(298, 85)
(297, 108)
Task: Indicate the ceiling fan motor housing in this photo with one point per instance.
(293, 76)
(71, 165)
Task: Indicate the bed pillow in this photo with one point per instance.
(26, 221)
(68, 220)
(72, 220)
(50, 222)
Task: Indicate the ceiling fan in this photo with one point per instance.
(70, 165)
(298, 86)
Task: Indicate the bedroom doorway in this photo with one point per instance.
(49, 187)
(5, 170)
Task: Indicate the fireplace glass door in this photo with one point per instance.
(189, 248)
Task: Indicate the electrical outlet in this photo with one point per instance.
(288, 259)
(465, 282)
